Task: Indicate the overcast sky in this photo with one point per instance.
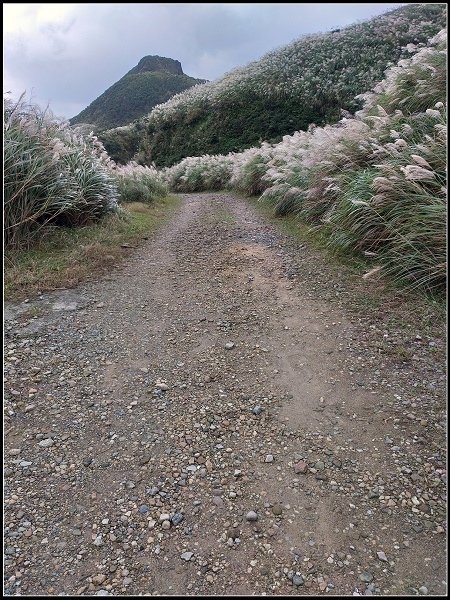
(66, 55)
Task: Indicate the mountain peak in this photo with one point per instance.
(157, 64)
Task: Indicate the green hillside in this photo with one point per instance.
(306, 82)
(153, 81)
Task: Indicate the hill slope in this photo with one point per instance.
(308, 81)
(152, 81)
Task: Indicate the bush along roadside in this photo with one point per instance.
(68, 208)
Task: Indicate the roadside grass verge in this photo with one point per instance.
(376, 297)
(67, 256)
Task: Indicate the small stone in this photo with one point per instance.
(423, 590)
(217, 500)
(298, 580)
(87, 461)
(257, 410)
(382, 556)
(166, 525)
(143, 509)
(14, 452)
(229, 345)
(301, 467)
(319, 465)
(98, 579)
(366, 577)
(277, 510)
(47, 443)
(164, 517)
(187, 556)
(251, 516)
(177, 518)
(269, 458)
(162, 386)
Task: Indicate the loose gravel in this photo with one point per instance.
(218, 417)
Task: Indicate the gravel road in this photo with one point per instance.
(216, 417)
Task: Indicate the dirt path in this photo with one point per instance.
(219, 373)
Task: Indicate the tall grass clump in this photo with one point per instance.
(199, 173)
(52, 175)
(137, 183)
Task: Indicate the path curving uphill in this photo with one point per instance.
(215, 418)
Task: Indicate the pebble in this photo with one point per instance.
(382, 556)
(269, 458)
(229, 345)
(298, 580)
(366, 577)
(162, 386)
(47, 443)
(277, 510)
(187, 555)
(300, 467)
(251, 516)
(217, 500)
(177, 518)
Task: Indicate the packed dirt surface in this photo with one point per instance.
(217, 417)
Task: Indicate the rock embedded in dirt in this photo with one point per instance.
(300, 467)
(187, 556)
(47, 443)
(251, 516)
(177, 518)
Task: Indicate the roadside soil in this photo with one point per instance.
(224, 373)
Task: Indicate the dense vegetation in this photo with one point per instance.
(306, 82)
(153, 81)
(375, 182)
(55, 176)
